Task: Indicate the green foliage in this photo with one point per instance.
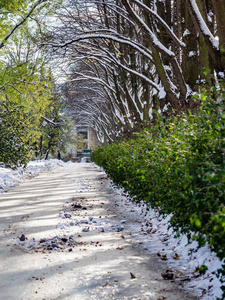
(202, 269)
(27, 93)
(27, 99)
(56, 130)
(12, 5)
(13, 130)
(179, 168)
(13, 12)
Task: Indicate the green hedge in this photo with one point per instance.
(178, 167)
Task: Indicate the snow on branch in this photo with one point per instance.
(155, 41)
(119, 39)
(163, 23)
(133, 71)
(203, 26)
(51, 122)
(115, 61)
(85, 77)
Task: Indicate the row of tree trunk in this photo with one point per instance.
(128, 60)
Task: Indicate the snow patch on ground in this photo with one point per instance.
(150, 231)
(10, 178)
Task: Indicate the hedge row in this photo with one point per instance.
(178, 167)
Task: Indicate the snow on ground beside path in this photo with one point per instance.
(10, 178)
(150, 231)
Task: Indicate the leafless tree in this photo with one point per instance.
(130, 59)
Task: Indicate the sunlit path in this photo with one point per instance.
(99, 262)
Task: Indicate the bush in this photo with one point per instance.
(14, 152)
(179, 168)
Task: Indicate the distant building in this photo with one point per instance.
(87, 140)
(89, 137)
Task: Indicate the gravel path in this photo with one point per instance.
(64, 237)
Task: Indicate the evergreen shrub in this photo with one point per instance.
(178, 167)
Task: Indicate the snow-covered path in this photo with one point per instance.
(77, 242)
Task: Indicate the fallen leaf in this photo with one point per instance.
(132, 275)
(163, 257)
(203, 292)
(176, 256)
(105, 285)
(210, 286)
(119, 248)
(168, 275)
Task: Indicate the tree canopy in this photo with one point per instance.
(28, 97)
(124, 61)
(145, 57)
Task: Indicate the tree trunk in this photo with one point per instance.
(219, 9)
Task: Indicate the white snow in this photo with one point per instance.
(186, 32)
(162, 93)
(192, 54)
(203, 25)
(10, 178)
(221, 74)
(151, 232)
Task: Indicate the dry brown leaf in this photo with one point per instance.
(106, 284)
(163, 257)
(176, 256)
(132, 275)
(203, 292)
(168, 275)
